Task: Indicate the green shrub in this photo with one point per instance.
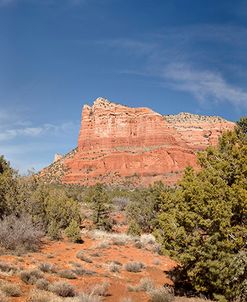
(50, 208)
(54, 231)
(203, 224)
(142, 209)
(101, 206)
(73, 231)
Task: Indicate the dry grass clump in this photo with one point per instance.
(113, 237)
(146, 239)
(75, 264)
(7, 268)
(41, 296)
(80, 271)
(104, 244)
(95, 254)
(114, 267)
(67, 274)
(134, 267)
(161, 294)
(47, 268)
(42, 284)
(145, 285)
(10, 289)
(101, 289)
(3, 297)
(80, 255)
(120, 239)
(89, 298)
(148, 242)
(31, 276)
(62, 289)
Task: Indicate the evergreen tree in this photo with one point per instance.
(7, 187)
(101, 207)
(204, 223)
(73, 231)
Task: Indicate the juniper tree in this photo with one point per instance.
(101, 206)
(204, 223)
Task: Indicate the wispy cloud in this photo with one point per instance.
(46, 129)
(182, 59)
(204, 84)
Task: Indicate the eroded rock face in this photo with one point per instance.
(121, 145)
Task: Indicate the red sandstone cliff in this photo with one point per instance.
(119, 144)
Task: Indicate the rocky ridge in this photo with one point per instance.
(122, 145)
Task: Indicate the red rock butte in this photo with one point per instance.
(121, 145)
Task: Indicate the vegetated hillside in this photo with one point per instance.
(134, 146)
(113, 244)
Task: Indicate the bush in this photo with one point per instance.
(145, 285)
(41, 296)
(54, 231)
(80, 271)
(101, 289)
(7, 268)
(120, 202)
(143, 207)
(161, 295)
(42, 284)
(101, 207)
(68, 274)
(3, 297)
(73, 231)
(134, 267)
(203, 223)
(47, 268)
(10, 289)
(7, 188)
(31, 276)
(114, 267)
(62, 289)
(19, 233)
(80, 255)
(89, 298)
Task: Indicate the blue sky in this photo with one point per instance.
(170, 55)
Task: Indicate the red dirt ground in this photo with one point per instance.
(61, 253)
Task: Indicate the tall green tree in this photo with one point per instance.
(101, 206)
(7, 187)
(204, 224)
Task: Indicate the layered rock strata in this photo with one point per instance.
(122, 145)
